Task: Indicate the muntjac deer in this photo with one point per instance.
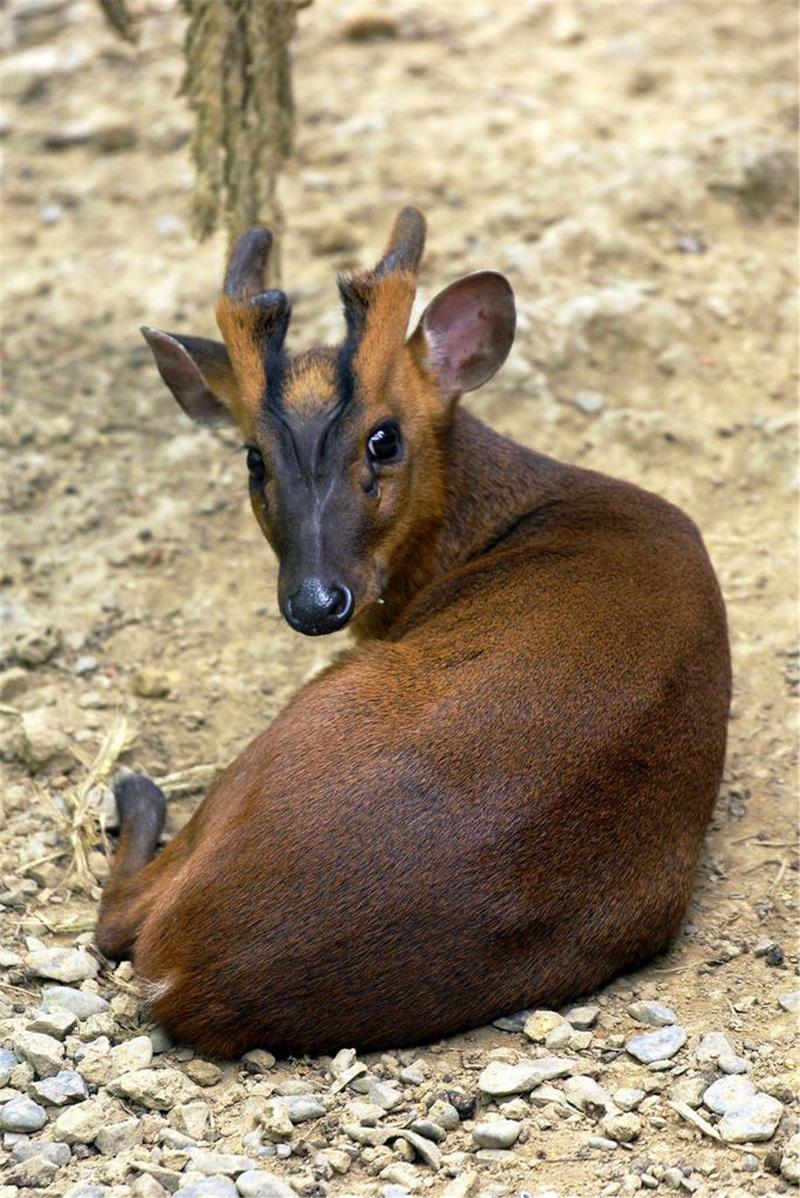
(497, 797)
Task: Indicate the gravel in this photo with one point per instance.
(210, 1187)
(62, 964)
(62, 1088)
(496, 1133)
(257, 1184)
(728, 1093)
(583, 1017)
(213, 1164)
(156, 1089)
(657, 1046)
(752, 1119)
(22, 1115)
(82, 1003)
(654, 1014)
(587, 1095)
(541, 1023)
(44, 1053)
(51, 1150)
(500, 1079)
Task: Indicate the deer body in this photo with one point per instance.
(495, 799)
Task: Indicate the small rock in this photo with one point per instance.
(146, 1186)
(301, 1108)
(496, 1133)
(654, 1014)
(586, 1095)
(429, 1129)
(728, 1062)
(119, 1137)
(151, 683)
(583, 1017)
(384, 1095)
(751, 1120)
(62, 964)
(61, 1089)
(51, 1150)
(82, 1003)
(275, 1121)
(42, 745)
(500, 1079)
(728, 1092)
(425, 1149)
(539, 1025)
(213, 1164)
(622, 1127)
(45, 1053)
(34, 1173)
(193, 1119)
(205, 1073)
(656, 1046)
(34, 645)
(544, 1095)
(58, 1023)
(404, 1178)
(258, 1060)
(445, 1114)
(212, 1187)
(8, 1062)
(512, 1023)
(96, 1066)
(84, 1190)
(80, 1124)
(133, 1054)
(790, 1160)
(628, 1100)
(560, 1037)
(22, 1115)
(257, 1183)
(156, 1089)
(590, 403)
(790, 1002)
(338, 1160)
(711, 1046)
(689, 1090)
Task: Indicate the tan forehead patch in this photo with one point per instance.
(390, 303)
(239, 326)
(312, 384)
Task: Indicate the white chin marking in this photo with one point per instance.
(152, 992)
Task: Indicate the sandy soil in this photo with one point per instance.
(630, 166)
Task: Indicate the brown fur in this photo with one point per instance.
(496, 799)
(239, 326)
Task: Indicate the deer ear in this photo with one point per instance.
(465, 333)
(199, 374)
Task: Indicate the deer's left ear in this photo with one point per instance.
(199, 374)
(465, 333)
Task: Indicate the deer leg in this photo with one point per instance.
(127, 895)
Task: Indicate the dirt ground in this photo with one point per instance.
(630, 165)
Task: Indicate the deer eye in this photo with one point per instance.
(255, 465)
(385, 444)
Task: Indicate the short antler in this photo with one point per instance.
(246, 274)
(406, 243)
(253, 321)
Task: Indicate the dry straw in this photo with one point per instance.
(237, 83)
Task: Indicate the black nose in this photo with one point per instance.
(316, 608)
